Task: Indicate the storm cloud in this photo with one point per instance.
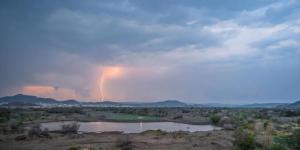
(194, 50)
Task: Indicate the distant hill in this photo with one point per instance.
(219, 105)
(19, 104)
(109, 103)
(27, 99)
(295, 105)
(263, 105)
(254, 105)
(20, 99)
(167, 103)
(70, 102)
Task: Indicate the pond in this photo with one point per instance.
(128, 127)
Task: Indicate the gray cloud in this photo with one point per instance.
(194, 50)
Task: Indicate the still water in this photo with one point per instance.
(127, 127)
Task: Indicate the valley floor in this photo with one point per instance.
(149, 140)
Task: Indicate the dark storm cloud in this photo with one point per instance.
(213, 50)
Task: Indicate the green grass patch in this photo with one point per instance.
(131, 117)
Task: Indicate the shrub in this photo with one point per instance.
(186, 111)
(290, 141)
(296, 139)
(65, 111)
(124, 143)
(244, 140)
(36, 131)
(277, 147)
(70, 128)
(215, 119)
(84, 148)
(16, 127)
(75, 148)
(178, 117)
(4, 115)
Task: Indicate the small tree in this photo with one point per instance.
(244, 139)
(36, 131)
(267, 135)
(70, 128)
(215, 119)
(277, 147)
(124, 143)
(296, 139)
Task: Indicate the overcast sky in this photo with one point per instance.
(146, 50)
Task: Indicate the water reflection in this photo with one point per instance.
(141, 126)
(130, 127)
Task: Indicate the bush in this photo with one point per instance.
(277, 147)
(75, 148)
(124, 144)
(244, 140)
(4, 115)
(66, 111)
(70, 128)
(16, 127)
(215, 119)
(290, 141)
(296, 139)
(84, 148)
(178, 117)
(36, 131)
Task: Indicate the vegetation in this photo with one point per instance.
(36, 131)
(259, 129)
(84, 148)
(125, 144)
(60, 110)
(70, 128)
(277, 147)
(289, 141)
(244, 139)
(130, 117)
(4, 115)
(215, 119)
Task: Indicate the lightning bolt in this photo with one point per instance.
(101, 86)
(108, 73)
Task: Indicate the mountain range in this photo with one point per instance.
(28, 100)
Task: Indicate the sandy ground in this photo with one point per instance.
(149, 140)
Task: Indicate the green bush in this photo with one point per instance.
(125, 144)
(36, 131)
(75, 148)
(296, 139)
(277, 147)
(70, 128)
(66, 111)
(290, 141)
(244, 139)
(215, 119)
(4, 115)
(16, 127)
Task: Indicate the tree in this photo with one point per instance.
(244, 139)
(215, 119)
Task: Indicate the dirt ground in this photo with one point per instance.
(149, 140)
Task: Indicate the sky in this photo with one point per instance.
(200, 51)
